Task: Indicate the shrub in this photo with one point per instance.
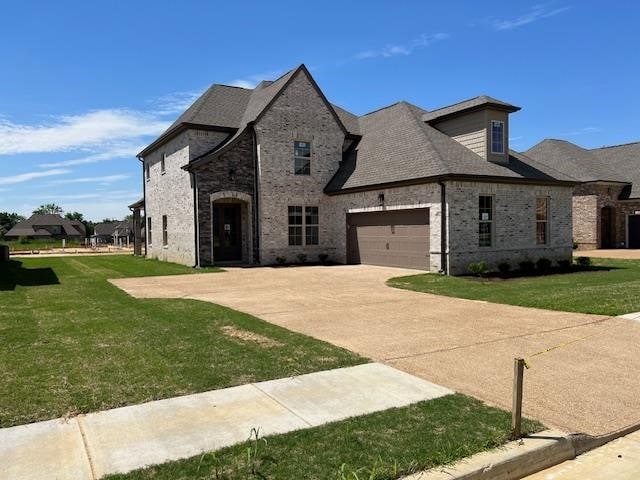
(526, 266)
(302, 257)
(23, 240)
(504, 267)
(478, 268)
(583, 261)
(543, 264)
(564, 264)
(281, 260)
(323, 257)
(575, 245)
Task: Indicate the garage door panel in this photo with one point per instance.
(393, 238)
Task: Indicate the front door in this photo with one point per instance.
(634, 231)
(227, 237)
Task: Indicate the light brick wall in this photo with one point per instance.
(171, 194)
(514, 227)
(299, 113)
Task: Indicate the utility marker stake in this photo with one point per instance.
(516, 413)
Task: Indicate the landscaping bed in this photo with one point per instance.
(70, 342)
(383, 445)
(607, 287)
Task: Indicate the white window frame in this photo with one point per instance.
(165, 231)
(490, 221)
(149, 232)
(296, 158)
(163, 166)
(147, 169)
(503, 137)
(303, 226)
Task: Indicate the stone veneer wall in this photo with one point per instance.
(514, 230)
(214, 177)
(299, 113)
(171, 194)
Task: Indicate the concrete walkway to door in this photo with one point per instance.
(588, 385)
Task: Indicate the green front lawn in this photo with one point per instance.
(70, 342)
(613, 289)
(384, 445)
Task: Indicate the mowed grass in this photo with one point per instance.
(70, 342)
(613, 289)
(384, 445)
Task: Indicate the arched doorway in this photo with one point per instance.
(607, 227)
(231, 232)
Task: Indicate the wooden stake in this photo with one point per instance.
(516, 413)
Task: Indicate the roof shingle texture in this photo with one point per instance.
(625, 161)
(459, 107)
(28, 227)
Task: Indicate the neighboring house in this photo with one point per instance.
(49, 226)
(117, 233)
(251, 175)
(606, 206)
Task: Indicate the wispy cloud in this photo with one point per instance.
(86, 196)
(537, 12)
(25, 177)
(581, 131)
(392, 50)
(105, 179)
(91, 130)
(250, 81)
(175, 103)
(113, 152)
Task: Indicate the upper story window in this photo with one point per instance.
(542, 220)
(485, 218)
(147, 170)
(497, 136)
(302, 158)
(162, 163)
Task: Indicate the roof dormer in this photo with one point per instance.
(481, 124)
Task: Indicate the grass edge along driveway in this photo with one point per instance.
(382, 445)
(71, 343)
(612, 290)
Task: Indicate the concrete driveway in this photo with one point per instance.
(621, 253)
(589, 385)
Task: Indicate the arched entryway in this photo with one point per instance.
(607, 227)
(231, 232)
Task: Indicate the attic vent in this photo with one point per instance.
(202, 133)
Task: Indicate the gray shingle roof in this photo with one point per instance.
(29, 227)
(625, 161)
(105, 228)
(580, 163)
(471, 104)
(398, 146)
(348, 119)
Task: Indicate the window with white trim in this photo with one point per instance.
(497, 136)
(542, 220)
(149, 230)
(485, 221)
(302, 158)
(303, 225)
(162, 163)
(147, 169)
(165, 234)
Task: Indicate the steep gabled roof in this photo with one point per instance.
(397, 146)
(625, 160)
(578, 162)
(476, 103)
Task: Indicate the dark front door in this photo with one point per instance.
(634, 231)
(227, 237)
(606, 224)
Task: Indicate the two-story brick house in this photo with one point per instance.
(606, 204)
(250, 175)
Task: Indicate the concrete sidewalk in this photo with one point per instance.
(124, 439)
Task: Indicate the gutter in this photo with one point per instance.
(444, 264)
(256, 194)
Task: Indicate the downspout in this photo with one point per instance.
(196, 224)
(256, 195)
(144, 205)
(444, 264)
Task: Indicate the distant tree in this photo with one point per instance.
(109, 220)
(75, 216)
(128, 217)
(8, 221)
(48, 208)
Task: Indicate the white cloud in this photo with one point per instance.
(25, 177)
(251, 81)
(538, 12)
(111, 153)
(102, 179)
(175, 103)
(56, 198)
(581, 131)
(423, 41)
(95, 129)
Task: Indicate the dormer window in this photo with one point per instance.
(302, 158)
(497, 136)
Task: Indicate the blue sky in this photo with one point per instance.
(85, 85)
